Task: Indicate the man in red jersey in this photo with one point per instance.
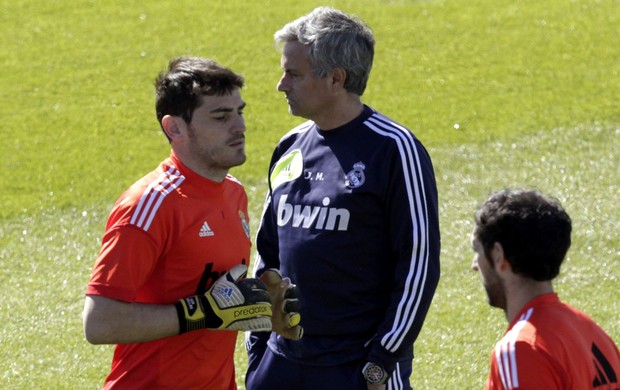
(520, 240)
(169, 286)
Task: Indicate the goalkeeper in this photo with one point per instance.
(169, 287)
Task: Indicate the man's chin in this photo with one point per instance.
(293, 110)
(497, 302)
(296, 112)
(239, 160)
(242, 160)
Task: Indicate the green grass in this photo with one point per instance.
(534, 87)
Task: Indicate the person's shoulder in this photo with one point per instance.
(583, 322)
(233, 182)
(552, 323)
(522, 340)
(148, 193)
(396, 137)
(534, 321)
(385, 125)
(557, 314)
(392, 132)
(134, 192)
(296, 131)
(163, 180)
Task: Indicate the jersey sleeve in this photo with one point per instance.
(519, 365)
(125, 262)
(266, 240)
(411, 208)
(267, 256)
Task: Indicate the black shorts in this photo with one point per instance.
(274, 372)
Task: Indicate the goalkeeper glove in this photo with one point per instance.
(285, 305)
(232, 303)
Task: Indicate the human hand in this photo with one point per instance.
(285, 305)
(232, 303)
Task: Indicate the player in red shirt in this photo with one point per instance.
(520, 240)
(169, 287)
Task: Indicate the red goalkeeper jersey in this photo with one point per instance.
(551, 345)
(171, 235)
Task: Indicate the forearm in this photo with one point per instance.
(232, 303)
(411, 298)
(108, 321)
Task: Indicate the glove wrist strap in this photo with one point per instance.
(191, 314)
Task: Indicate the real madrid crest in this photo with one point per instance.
(244, 223)
(356, 178)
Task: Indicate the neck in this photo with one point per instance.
(208, 172)
(343, 112)
(213, 174)
(521, 291)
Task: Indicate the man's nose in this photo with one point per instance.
(239, 126)
(282, 85)
(474, 264)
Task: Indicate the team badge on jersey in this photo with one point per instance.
(244, 223)
(356, 178)
(289, 167)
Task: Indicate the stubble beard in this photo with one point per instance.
(209, 158)
(496, 294)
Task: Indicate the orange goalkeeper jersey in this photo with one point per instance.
(551, 345)
(171, 235)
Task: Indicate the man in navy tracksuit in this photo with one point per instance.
(350, 217)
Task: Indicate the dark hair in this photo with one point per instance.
(533, 229)
(179, 90)
(336, 40)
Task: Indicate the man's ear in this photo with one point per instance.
(339, 76)
(174, 126)
(497, 255)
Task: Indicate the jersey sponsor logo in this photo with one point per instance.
(356, 177)
(205, 230)
(210, 276)
(308, 217)
(289, 167)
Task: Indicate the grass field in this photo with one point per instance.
(503, 93)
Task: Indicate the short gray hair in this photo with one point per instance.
(335, 40)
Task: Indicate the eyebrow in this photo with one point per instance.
(227, 109)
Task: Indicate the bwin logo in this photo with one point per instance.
(322, 218)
